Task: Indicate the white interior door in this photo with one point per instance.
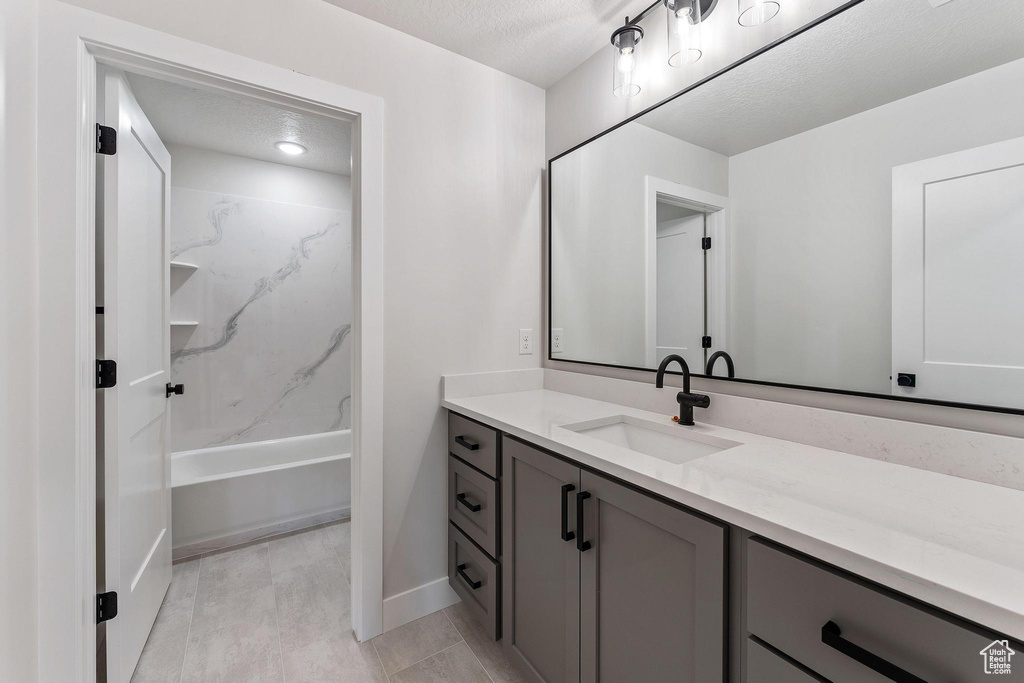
(680, 290)
(958, 250)
(137, 495)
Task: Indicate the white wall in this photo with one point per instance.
(264, 362)
(581, 104)
(18, 335)
(599, 249)
(464, 151)
(204, 169)
(811, 245)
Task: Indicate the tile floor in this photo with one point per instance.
(278, 610)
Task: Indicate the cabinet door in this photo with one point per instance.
(541, 618)
(652, 589)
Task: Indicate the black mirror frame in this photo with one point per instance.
(550, 356)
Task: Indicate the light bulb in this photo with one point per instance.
(626, 61)
(683, 32)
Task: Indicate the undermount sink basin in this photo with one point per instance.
(668, 442)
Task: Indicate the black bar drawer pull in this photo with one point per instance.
(466, 443)
(461, 569)
(832, 636)
(461, 498)
(581, 545)
(566, 534)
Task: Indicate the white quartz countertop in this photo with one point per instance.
(954, 543)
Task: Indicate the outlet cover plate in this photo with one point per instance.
(525, 342)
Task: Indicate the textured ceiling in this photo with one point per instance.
(537, 40)
(222, 123)
(877, 52)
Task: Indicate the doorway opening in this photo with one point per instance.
(686, 243)
(224, 293)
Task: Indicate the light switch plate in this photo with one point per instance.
(525, 342)
(556, 339)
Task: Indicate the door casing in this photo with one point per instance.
(72, 43)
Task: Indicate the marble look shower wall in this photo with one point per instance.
(269, 354)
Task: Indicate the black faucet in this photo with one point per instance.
(730, 368)
(687, 401)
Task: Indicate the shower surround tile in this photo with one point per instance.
(270, 357)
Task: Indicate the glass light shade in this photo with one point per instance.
(757, 12)
(683, 31)
(624, 42)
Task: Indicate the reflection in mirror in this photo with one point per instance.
(844, 211)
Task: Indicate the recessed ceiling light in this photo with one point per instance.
(292, 148)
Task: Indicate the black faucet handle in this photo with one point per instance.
(693, 400)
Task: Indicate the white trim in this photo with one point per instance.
(418, 602)
(716, 208)
(71, 42)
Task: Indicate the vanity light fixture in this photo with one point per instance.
(624, 40)
(684, 17)
(290, 148)
(684, 27)
(757, 12)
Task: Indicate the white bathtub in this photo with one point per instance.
(228, 495)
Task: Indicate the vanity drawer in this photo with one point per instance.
(764, 666)
(790, 600)
(477, 580)
(473, 504)
(474, 443)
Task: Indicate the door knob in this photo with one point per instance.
(906, 379)
(178, 389)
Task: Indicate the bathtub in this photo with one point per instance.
(226, 495)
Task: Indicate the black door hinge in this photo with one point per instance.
(106, 606)
(106, 140)
(705, 342)
(705, 243)
(106, 374)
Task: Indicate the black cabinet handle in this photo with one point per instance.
(178, 389)
(566, 534)
(832, 636)
(461, 570)
(466, 443)
(461, 498)
(581, 545)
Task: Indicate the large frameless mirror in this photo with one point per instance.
(844, 211)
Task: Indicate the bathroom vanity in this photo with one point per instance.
(839, 212)
(601, 542)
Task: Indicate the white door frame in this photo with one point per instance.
(72, 42)
(717, 209)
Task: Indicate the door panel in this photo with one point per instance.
(652, 589)
(680, 290)
(136, 187)
(541, 570)
(958, 237)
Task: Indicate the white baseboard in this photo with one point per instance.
(418, 602)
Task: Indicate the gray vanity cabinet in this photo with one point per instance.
(637, 592)
(541, 598)
(652, 589)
